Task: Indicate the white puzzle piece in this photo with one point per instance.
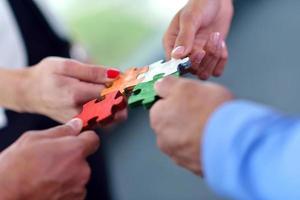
(160, 67)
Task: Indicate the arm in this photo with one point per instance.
(199, 31)
(11, 82)
(245, 151)
(55, 87)
(63, 175)
(252, 152)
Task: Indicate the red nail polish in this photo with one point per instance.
(112, 73)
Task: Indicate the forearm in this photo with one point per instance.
(251, 152)
(12, 88)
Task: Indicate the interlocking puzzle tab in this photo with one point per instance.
(165, 68)
(126, 81)
(144, 93)
(137, 84)
(101, 111)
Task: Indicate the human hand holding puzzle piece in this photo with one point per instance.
(135, 85)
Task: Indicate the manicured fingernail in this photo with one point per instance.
(216, 38)
(76, 124)
(200, 57)
(112, 73)
(178, 51)
(223, 45)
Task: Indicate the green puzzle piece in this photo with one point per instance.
(144, 93)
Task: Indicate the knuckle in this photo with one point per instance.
(187, 86)
(213, 53)
(178, 161)
(49, 60)
(86, 173)
(79, 149)
(75, 98)
(95, 140)
(224, 56)
(161, 145)
(94, 74)
(203, 75)
(68, 62)
(154, 116)
(27, 136)
(189, 17)
(66, 66)
(67, 130)
(183, 142)
(83, 175)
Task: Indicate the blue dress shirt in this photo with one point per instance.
(252, 152)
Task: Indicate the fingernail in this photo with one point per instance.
(178, 51)
(157, 83)
(223, 45)
(216, 38)
(204, 76)
(76, 124)
(200, 57)
(112, 73)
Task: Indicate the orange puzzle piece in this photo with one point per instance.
(126, 81)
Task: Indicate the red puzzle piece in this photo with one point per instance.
(101, 112)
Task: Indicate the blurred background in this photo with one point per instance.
(263, 66)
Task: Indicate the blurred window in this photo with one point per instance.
(114, 30)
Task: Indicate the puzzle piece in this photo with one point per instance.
(126, 81)
(101, 112)
(166, 68)
(144, 93)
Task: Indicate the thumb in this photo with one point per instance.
(72, 128)
(186, 36)
(163, 87)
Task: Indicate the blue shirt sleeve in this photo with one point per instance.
(250, 151)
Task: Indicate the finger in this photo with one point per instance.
(121, 116)
(86, 92)
(220, 68)
(71, 128)
(197, 58)
(189, 25)
(170, 36)
(90, 141)
(85, 72)
(213, 55)
(164, 86)
(221, 65)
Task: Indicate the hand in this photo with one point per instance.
(58, 87)
(180, 116)
(199, 30)
(48, 164)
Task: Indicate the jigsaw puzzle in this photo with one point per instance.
(101, 111)
(126, 81)
(166, 68)
(144, 93)
(137, 84)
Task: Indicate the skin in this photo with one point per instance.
(199, 31)
(49, 165)
(55, 87)
(180, 135)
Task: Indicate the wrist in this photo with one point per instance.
(23, 90)
(12, 88)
